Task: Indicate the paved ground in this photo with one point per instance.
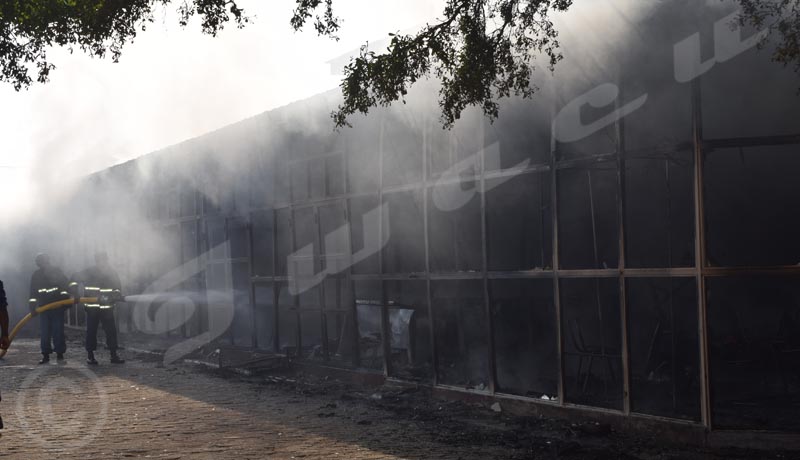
(143, 409)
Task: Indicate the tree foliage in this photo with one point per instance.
(29, 27)
(480, 50)
(484, 50)
(781, 20)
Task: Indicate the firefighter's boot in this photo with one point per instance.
(115, 359)
(90, 359)
(45, 359)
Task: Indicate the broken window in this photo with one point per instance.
(242, 327)
(334, 175)
(369, 298)
(363, 170)
(363, 144)
(752, 212)
(317, 175)
(283, 240)
(282, 180)
(310, 142)
(287, 320)
(661, 108)
(172, 254)
(170, 260)
(302, 260)
(189, 241)
(582, 129)
(402, 149)
(191, 263)
(664, 347)
(264, 317)
(454, 227)
(365, 234)
(338, 294)
(338, 306)
(299, 175)
(188, 203)
(217, 241)
(754, 352)
(335, 245)
(441, 153)
(520, 136)
(311, 346)
(659, 211)
(262, 168)
(456, 152)
(409, 324)
(217, 290)
(263, 250)
(238, 237)
(216, 276)
(219, 198)
(525, 339)
(519, 222)
(173, 203)
(341, 338)
(462, 353)
(588, 219)
(591, 331)
(241, 193)
(305, 227)
(403, 232)
(750, 113)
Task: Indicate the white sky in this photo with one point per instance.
(172, 84)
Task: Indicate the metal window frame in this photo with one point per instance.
(700, 270)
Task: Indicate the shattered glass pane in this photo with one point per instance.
(588, 224)
(592, 336)
(460, 333)
(664, 347)
(519, 222)
(752, 211)
(526, 343)
(754, 352)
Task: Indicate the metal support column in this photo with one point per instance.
(626, 374)
(700, 253)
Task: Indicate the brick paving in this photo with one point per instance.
(142, 409)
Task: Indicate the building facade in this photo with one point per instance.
(625, 242)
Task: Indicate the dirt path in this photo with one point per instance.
(142, 409)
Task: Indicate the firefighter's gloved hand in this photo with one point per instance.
(110, 298)
(33, 305)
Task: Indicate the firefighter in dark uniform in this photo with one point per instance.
(101, 281)
(4, 341)
(48, 284)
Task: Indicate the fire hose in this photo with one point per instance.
(42, 309)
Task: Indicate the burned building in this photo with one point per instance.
(625, 242)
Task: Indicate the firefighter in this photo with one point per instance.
(48, 284)
(101, 281)
(4, 341)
